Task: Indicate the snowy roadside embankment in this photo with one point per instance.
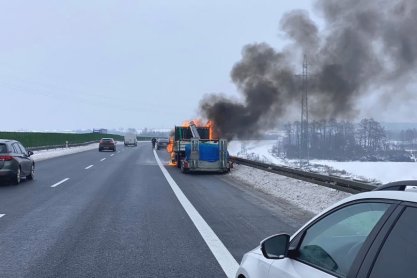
(382, 172)
(51, 153)
(305, 195)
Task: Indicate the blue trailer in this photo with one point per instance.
(194, 151)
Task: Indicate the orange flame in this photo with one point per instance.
(213, 134)
(170, 146)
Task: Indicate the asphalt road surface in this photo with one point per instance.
(105, 214)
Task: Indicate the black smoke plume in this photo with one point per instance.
(363, 45)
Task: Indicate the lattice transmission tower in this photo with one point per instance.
(304, 138)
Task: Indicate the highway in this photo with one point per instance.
(105, 214)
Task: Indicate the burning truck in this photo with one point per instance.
(196, 148)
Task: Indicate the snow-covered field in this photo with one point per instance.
(380, 171)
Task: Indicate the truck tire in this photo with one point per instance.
(178, 160)
(183, 170)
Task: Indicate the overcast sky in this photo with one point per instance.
(119, 64)
(90, 64)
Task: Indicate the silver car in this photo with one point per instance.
(15, 161)
(161, 143)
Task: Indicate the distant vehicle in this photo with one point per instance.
(130, 140)
(15, 161)
(370, 234)
(107, 144)
(161, 143)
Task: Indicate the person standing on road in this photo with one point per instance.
(153, 142)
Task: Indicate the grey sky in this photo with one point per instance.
(90, 64)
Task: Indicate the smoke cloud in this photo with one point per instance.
(362, 46)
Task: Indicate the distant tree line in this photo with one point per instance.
(344, 140)
(408, 138)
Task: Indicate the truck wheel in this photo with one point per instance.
(183, 170)
(177, 159)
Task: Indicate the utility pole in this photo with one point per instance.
(304, 138)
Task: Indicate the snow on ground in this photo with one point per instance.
(305, 195)
(261, 148)
(51, 153)
(379, 171)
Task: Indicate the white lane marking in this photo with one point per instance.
(102, 159)
(118, 152)
(88, 167)
(1, 215)
(111, 154)
(60, 182)
(220, 252)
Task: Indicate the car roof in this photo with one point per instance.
(406, 196)
(403, 196)
(7, 141)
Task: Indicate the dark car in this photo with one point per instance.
(161, 143)
(107, 144)
(15, 161)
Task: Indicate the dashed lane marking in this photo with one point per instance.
(88, 167)
(220, 252)
(1, 215)
(60, 182)
(102, 159)
(111, 154)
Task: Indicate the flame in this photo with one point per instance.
(170, 146)
(213, 134)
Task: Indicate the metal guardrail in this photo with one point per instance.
(60, 146)
(347, 185)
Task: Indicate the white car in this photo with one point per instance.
(372, 234)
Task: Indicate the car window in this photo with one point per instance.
(16, 148)
(334, 241)
(398, 256)
(22, 148)
(3, 148)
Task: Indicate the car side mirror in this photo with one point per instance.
(276, 246)
(30, 153)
